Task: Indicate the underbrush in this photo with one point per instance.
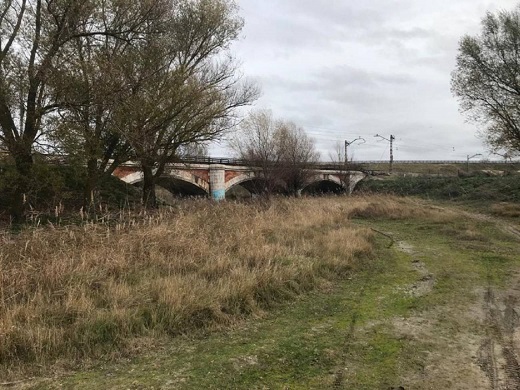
(477, 187)
(55, 190)
(95, 290)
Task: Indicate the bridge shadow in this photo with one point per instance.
(168, 188)
(180, 188)
(323, 187)
(247, 189)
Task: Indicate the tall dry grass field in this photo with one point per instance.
(83, 291)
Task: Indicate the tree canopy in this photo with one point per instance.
(108, 81)
(486, 80)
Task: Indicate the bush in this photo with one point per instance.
(474, 187)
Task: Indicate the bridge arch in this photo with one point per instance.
(255, 183)
(178, 182)
(324, 177)
(324, 183)
(238, 180)
(133, 178)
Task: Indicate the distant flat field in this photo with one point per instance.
(441, 168)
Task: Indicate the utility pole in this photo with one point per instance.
(391, 140)
(348, 143)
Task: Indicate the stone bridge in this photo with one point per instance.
(216, 180)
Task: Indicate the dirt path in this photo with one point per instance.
(488, 358)
(499, 352)
(498, 355)
(505, 226)
(501, 224)
(447, 363)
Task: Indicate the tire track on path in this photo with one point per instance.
(499, 353)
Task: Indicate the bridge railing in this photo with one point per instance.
(323, 165)
(438, 162)
(237, 161)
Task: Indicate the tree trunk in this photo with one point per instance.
(149, 197)
(89, 197)
(24, 167)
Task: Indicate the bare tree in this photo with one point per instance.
(298, 156)
(281, 151)
(194, 149)
(255, 141)
(486, 79)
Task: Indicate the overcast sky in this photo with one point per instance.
(343, 68)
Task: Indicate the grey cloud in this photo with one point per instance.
(344, 14)
(341, 69)
(338, 77)
(308, 23)
(350, 89)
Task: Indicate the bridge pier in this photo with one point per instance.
(217, 182)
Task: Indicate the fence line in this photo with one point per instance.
(238, 161)
(437, 162)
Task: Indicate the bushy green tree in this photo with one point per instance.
(34, 41)
(486, 79)
(184, 86)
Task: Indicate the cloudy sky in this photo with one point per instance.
(343, 69)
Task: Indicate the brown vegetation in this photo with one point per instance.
(397, 208)
(504, 209)
(85, 291)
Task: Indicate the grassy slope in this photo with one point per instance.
(301, 345)
(368, 332)
(442, 169)
(472, 188)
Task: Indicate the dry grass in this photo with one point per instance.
(85, 291)
(392, 207)
(509, 210)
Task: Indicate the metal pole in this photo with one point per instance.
(391, 152)
(347, 143)
(391, 140)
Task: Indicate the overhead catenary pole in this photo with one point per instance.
(391, 140)
(348, 143)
